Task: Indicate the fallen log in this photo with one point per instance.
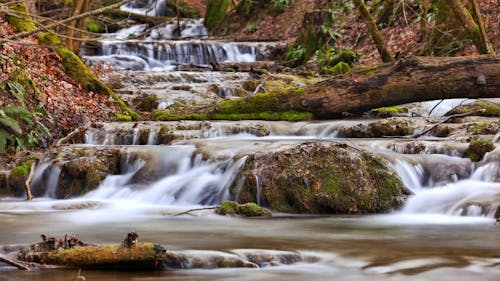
(412, 79)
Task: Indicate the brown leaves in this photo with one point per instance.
(67, 103)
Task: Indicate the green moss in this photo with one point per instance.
(166, 115)
(393, 109)
(267, 102)
(319, 178)
(340, 68)
(215, 12)
(95, 27)
(259, 107)
(23, 23)
(123, 117)
(267, 115)
(478, 148)
(48, 38)
(21, 171)
(483, 108)
(74, 67)
(479, 127)
(246, 210)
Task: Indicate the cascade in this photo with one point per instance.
(185, 179)
(166, 46)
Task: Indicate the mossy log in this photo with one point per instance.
(412, 79)
(140, 257)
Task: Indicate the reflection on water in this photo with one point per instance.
(350, 248)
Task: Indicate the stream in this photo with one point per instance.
(445, 231)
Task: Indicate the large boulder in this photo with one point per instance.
(318, 177)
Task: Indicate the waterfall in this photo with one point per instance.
(186, 179)
(165, 46)
(475, 196)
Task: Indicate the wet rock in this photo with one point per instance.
(264, 258)
(232, 208)
(382, 128)
(83, 169)
(497, 213)
(478, 148)
(485, 128)
(319, 178)
(442, 169)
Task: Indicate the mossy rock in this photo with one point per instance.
(232, 208)
(320, 178)
(483, 108)
(382, 128)
(148, 103)
(486, 128)
(478, 148)
(388, 111)
(81, 170)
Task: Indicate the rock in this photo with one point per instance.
(485, 108)
(320, 178)
(442, 169)
(81, 170)
(146, 103)
(478, 148)
(497, 213)
(382, 128)
(232, 208)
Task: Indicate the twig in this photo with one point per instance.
(446, 120)
(78, 276)
(68, 137)
(27, 184)
(435, 106)
(13, 263)
(193, 210)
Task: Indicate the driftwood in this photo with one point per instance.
(412, 79)
(68, 138)
(188, 212)
(14, 263)
(27, 184)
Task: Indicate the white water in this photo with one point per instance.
(187, 180)
(165, 46)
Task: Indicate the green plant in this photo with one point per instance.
(21, 128)
(245, 7)
(253, 27)
(280, 5)
(295, 54)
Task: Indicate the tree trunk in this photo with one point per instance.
(465, 18)
(411, 79)
(484, 37)
(372, 26)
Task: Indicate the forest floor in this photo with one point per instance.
(403, 37)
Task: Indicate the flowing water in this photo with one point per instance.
(445, 231)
